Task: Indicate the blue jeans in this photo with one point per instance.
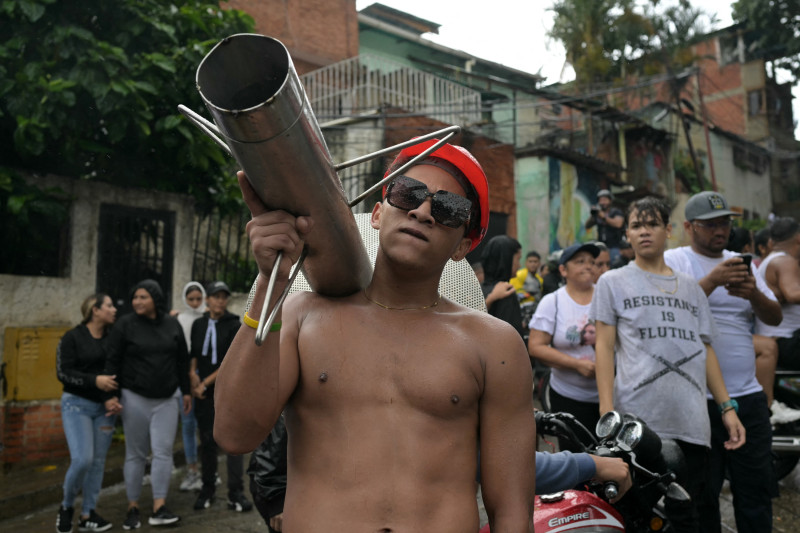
(189, 432)
(88, 431)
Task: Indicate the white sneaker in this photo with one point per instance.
(782, 413)
(191, 482)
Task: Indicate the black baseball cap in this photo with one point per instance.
(217, 286)
(570, 251)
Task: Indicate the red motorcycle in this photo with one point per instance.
(656, 465)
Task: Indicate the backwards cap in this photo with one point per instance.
(469, 166)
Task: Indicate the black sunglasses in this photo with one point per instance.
(447, 208)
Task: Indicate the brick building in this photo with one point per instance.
(373, 81)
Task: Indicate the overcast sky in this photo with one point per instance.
(511, 32)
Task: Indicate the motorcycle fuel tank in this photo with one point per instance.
(575, 512)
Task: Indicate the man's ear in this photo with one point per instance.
(669, 229)
(562, 269)
(375, 218)
(462, 249)
(686, 225)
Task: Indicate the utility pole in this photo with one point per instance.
(676, 94)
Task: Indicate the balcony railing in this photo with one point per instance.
(364, 83)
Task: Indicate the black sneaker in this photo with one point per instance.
(204, 500)
(132, 519)
(163, 517)
(95, 522)
(237, 502)
(64, 519)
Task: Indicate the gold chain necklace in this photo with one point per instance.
(434, 304)
(653, 282)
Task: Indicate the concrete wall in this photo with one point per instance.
(37, 301)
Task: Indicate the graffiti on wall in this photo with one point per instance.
(573, 190)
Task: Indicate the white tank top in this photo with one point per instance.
(791, 312)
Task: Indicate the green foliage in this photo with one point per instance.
(90, 90)
(33, 222)
(773, 27)
(606, 40)
(753, 224)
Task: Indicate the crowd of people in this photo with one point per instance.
(142, 370)
(397, 399)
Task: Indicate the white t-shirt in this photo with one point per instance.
(791, 312)
(574, 335)
(734, 318)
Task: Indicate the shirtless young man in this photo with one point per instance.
(388, 391)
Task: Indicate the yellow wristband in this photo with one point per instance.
(249, 321)
(276, 326)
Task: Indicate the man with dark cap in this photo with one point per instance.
(212, 335)
(734, 297)
(387, 392)
(609, 221)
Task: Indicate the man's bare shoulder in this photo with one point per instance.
(490, 334)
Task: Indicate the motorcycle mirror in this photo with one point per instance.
(677, 493)
(608, 425)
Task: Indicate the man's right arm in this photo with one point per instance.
(564, 470)
(787, 272)
(254, 382)
(604, 364)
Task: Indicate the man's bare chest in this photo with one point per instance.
(369, 363)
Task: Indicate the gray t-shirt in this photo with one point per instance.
(662, 324)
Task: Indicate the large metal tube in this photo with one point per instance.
(250, 86)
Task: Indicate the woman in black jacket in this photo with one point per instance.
(147, 351)
(88, 422)
(500, 260)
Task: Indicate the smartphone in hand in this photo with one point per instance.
(747, 259)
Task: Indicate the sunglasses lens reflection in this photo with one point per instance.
(447, 209)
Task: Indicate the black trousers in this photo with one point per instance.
(753, 481)
(587, 413)
(685, 516)
(209, 451)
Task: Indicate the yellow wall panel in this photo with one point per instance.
(30, 357)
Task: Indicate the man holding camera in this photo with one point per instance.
(734, 295)
(609, 221)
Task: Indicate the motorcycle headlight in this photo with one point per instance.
(636, 435)
(631, 434)
(608, 425)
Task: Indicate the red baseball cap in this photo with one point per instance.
(469, 166)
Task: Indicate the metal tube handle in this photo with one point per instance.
(265, 323)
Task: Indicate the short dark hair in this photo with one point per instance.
(739, 238)
(761, 238)
(533, 253)
(649, 208)
(784, 229)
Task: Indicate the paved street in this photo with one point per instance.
(219, 519)
(113, 506)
